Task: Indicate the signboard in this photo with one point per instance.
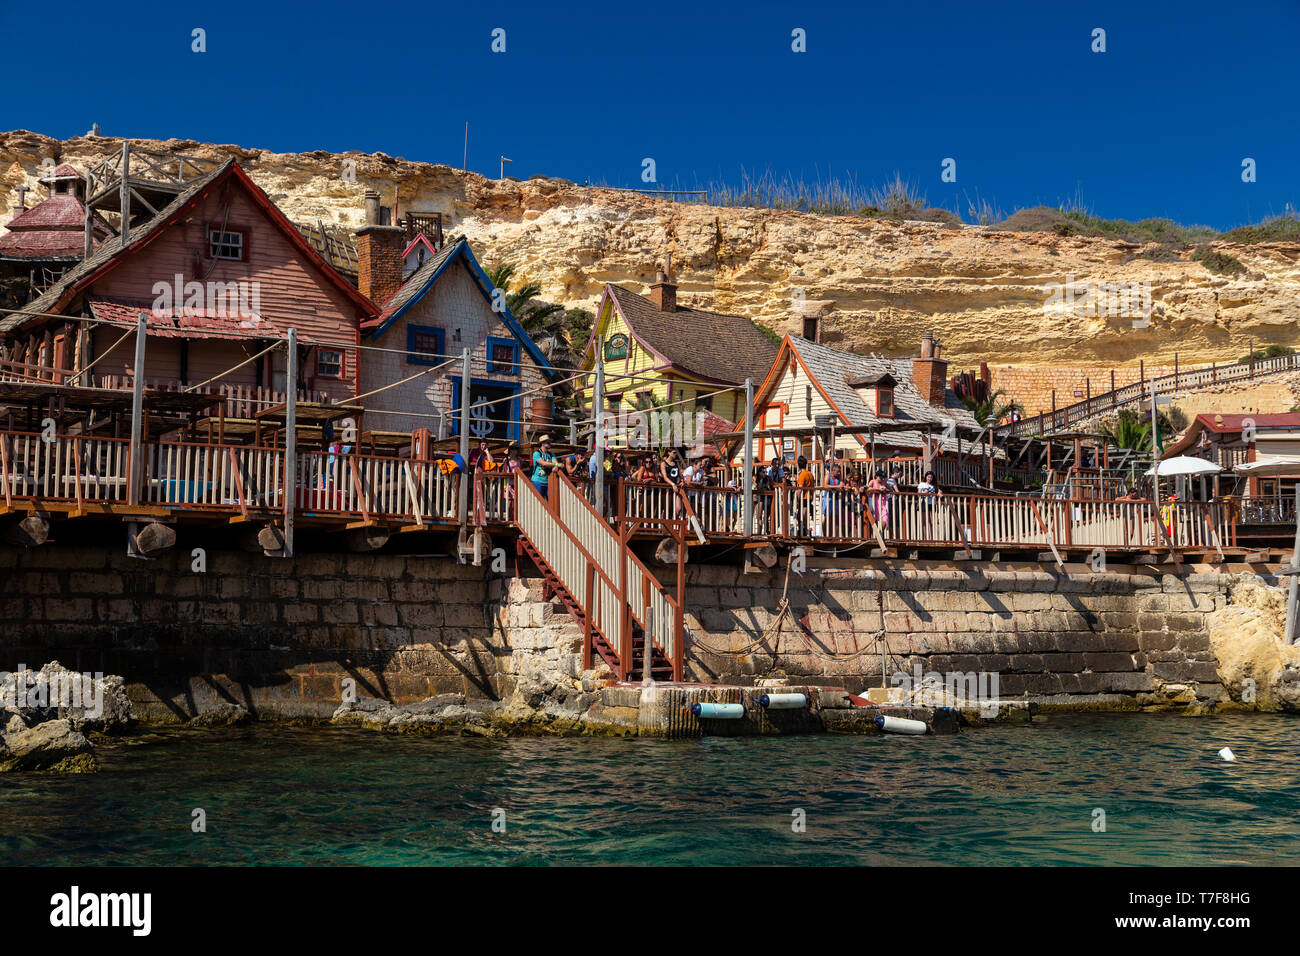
(490, 421)
(616, 347)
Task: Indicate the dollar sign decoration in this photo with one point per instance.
(479, 425)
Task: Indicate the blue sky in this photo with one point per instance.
(1158, 125)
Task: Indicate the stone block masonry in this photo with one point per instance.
(1128, 638)
(279, 637)
(286, 638)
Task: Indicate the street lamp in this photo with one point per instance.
(504, 160)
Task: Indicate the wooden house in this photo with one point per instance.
(220, 273)
(658, 351)
(45, 240)
(413, 377)
(880, 407)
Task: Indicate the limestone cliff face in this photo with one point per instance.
(879, 284)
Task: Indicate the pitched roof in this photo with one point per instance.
(711, 345)
(53, 228)
(833, 369)
(1230, 425)
(111, 252)
(426, 277)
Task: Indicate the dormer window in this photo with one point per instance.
(876, 389)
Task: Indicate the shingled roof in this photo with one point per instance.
(833, 370)
(711, 345)
(426, 277)
(54, 228)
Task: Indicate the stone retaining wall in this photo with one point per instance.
(282, 637)
(1129, 637)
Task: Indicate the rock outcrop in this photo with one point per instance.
(47, 714)
(1256, 668)
(879, 283)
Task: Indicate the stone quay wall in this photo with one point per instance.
(1129, 637)
(283, 637)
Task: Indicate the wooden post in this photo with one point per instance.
(598, 404)
(747, 485)
(124, 192)
(290, 441)
(137, 411)
(1293, 589)
(462, 483)
(90, 221)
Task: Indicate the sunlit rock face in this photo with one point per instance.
(990, 296)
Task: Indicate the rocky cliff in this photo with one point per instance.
(878, 284)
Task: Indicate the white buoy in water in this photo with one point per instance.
(1227, 755)
(900, 725)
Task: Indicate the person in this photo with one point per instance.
(1169, 514)
(480, 463)
(832, 510)
(805, 481)
(512, 465)
(927, 485)
(878, 499)
(671, 468)
(776, 472)
(543, 464)
(895, 479)
(572, 465)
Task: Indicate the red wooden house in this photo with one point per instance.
(221, 273)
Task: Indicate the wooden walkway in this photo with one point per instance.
(75, 475)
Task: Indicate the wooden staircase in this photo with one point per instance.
(594, 574)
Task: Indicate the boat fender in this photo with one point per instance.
(783, 701)
(900, 725)
(718, 711)
(1227, 754)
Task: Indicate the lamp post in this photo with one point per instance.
(504, 160)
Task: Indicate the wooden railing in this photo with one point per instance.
(1067, 416)
(842, 515)
(587, 580)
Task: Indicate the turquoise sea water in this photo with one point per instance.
(1017, 795)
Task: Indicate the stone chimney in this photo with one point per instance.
(930, 372)
(379, 253)
(663, 293)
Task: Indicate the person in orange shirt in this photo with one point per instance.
(804, 482)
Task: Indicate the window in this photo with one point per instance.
(502, 357)
(329, 363)
(705, 403)
(228, 244)
(614, 400)
(424, 344)
(811, 328)
(885, 402)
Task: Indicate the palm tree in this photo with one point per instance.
(992, 408)
(1129, 431)
(550, 326)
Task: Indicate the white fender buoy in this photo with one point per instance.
(783, 701)
(1227, 755)
(900, 725)
(718, 711)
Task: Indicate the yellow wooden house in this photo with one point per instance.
(689, 359)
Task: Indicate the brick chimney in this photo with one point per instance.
(930, 372)
(379, 253)
(663, 293)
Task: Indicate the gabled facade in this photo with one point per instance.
(220, 274)
(417, 254)
(657, 350)
(902, 403)
(445, 306)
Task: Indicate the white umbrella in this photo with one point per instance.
(1269, 465)
(1183, 465)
